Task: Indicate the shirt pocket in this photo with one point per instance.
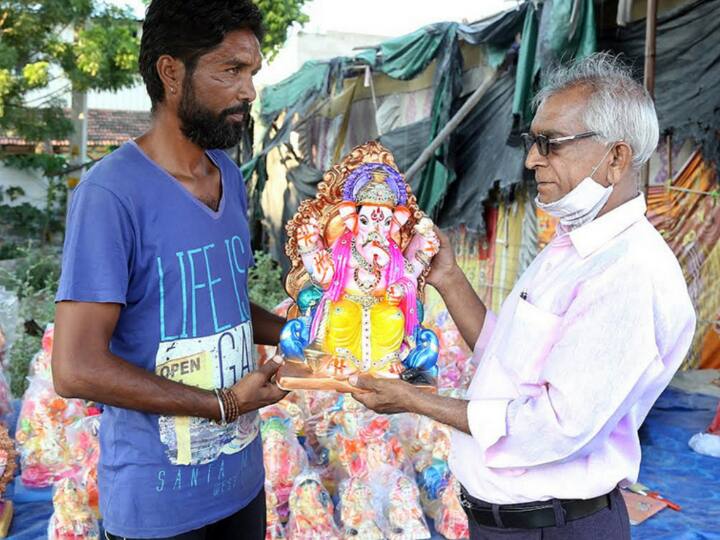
(527, 343)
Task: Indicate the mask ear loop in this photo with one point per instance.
(595, 168)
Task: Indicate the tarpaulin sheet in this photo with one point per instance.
(687, 69)
(672, 468)
(481, 157)
(301, 97)
(31, 521)
(311, 79)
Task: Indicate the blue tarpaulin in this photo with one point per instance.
(672, 468)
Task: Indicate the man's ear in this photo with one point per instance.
(172, 73)
(620, 162)
(348, 213)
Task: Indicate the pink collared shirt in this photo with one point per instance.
(588, 339)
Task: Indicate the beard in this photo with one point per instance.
(206, 128)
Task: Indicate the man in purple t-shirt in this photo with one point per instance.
(153, 317)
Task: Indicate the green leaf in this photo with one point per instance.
(5, 86)
(279, 16)
(90, 43)
(36, 74)
(265, 282)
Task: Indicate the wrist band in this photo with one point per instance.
(223, 421)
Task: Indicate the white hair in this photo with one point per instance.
(618, 107)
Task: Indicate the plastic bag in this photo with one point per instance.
(45, 455)
(40, 366)
(9, 316)
(455, 361)
(382, 445)
(431, 466)
(5, 404)
(311, 510)
(452, 521)
(384, 505)
(403, 514)
(360, 510)
(7, 459)
(357, 440)
(274, 529)
(84, 446)
(706, 444)
(284, 457)
(72, 518)
(75, 497)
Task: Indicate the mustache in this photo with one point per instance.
(243, 108)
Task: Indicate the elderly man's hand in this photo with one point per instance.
(444, 265)
(386, 396)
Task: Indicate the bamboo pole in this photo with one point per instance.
(454, 122)
(650, 39)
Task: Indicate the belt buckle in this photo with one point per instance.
(464, 502)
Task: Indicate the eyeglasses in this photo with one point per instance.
(544, 142)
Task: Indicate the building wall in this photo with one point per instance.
(128, 99)
(33, 184)
(302, 46)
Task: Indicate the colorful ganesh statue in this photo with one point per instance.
(360, 252)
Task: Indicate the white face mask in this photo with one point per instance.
(582, 204)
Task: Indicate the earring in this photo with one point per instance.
(172, 89)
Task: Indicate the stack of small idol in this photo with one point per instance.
(58, 445)
(336, 470)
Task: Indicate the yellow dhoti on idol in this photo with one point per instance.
(367, 331)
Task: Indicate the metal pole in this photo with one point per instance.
(668, 143)
(454, 122)
(369, 82)
(650, 28)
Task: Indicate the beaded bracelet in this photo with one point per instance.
(232, 408)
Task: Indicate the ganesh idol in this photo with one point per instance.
(360, 252)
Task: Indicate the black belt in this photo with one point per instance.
(530, 515)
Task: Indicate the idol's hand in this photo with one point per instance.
(385, 396)
(431, 242)
(308, 236)
(394, 294)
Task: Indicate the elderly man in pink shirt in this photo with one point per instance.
(585, 343)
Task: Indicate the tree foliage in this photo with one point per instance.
(265, 281)
(87, 43)
(279, 16)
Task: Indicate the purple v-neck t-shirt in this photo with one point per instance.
(138, 238)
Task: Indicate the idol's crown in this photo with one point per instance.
(377, 192)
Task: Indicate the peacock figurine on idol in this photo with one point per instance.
(360, 252)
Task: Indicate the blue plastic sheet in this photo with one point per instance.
(31, 521)
(669, 466)
(672, 468)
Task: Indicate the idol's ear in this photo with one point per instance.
(400, 218)
(348, 213)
